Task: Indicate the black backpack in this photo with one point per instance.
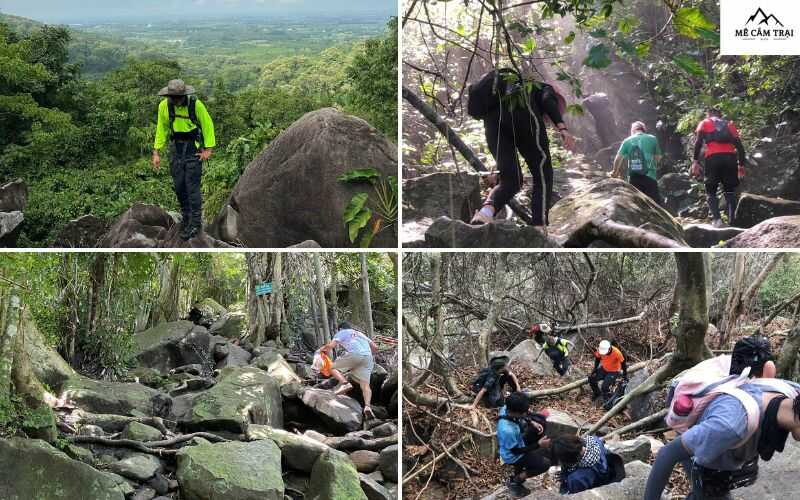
(191, 105)
(722, 132)
(477, 383)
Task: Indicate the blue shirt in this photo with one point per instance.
(353, 342)
(509, 436)
(721, 426)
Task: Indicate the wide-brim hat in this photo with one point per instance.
(499, 360)
(176, 88)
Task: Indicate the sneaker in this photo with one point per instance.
(517, 489)
(185, 230)
(368, 413)
(479, 219)
(717, 223)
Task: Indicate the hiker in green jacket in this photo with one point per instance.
(642, 152)
(185, 119)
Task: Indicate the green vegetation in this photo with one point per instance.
(357, 214)
(79, 107)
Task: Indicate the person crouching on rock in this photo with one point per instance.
(490, 383)
(358, 362)
(513, 111)
(522, 442)
(609, 364)
(556, 348)
(642, 154)
(185, 119)
(584, 463)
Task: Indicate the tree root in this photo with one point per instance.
(151, 447)
(644, 422)
(111, 423)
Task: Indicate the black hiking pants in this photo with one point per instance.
(561, 363)
(722, 168)
(647, 186)
(608, 379)
(506, 133)
(187, 172)
(533, 463)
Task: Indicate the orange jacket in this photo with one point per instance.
(611, 362)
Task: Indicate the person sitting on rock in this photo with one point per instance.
(642, 154)
(522, 442)
(609, 364)
(489, 385)
(357, 361)
(513, 110)
(712, 450)
(584, 463)
(195, 314)
(724, 153)
(556, 348)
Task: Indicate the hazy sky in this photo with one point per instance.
(76, 11)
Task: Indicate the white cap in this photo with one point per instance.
(545, 328)
(605, 346)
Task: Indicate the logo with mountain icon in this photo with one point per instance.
(764, 19)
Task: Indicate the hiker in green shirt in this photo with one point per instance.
(642, 152)
(184, 118)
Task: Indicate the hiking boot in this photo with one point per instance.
(190, 232)
(185, 230)
(480, 219)
(717, 223)
(517, 489)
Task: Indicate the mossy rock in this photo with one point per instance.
(235, 470)
(34, 470)
(334, 477)
(98, 396)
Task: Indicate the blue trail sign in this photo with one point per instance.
(263, 289)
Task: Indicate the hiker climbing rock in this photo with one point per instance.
(724, 162)
(556, 348)
(584, 463)
(599, 106)
(729, 410)
(195, 314)
(489, 385)
(640, 153)
(185, 119)
(357, 361)
(522, 442)
(609, 364)
(513, 111)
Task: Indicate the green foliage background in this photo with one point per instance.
(81, 140)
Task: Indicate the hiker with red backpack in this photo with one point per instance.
(728, 410)
(724, 159)
(643, 153)
(514, 112)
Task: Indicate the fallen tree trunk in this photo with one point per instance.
(578, 383)
(454, 140)
(637, 425)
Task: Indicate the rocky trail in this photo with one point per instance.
(204, 416)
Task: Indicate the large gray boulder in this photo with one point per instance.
(753, 208)
(98, 396)
(244, 471)
(340, 414)
(34, 470)
(300, 452)
(83, 232)
(274, 364)
(776, 168)
(631, 450)
(707, 236)
(528, 357)
(645, 405)
(14, 196)
(138, 467)
(428, 197)
(169, 345)
(334, 478)
(614, 200)
(388, 462)
(48, 366)
(242, 396)
(449, 233)
(773, 476)
(561, 423)
(291, 192)
(780, 232)
(10, 226)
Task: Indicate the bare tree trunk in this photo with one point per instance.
(318, 335)
(97, 278)
(498, 293)
(69, 306)
(166, 307)
(741, 294)
(323, 306)
(334, 293)
(439, 365)
(365, 290)
(258, 271)
(276, 326)
(788, 357)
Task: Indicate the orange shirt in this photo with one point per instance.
(611, 362)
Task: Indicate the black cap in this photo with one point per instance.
(753, 351)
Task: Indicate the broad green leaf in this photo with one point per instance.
(627, 24)
(575, 109)
(689, 20)
(354, 207)
(689, 64)
(598, 57)
(643, 49)
(359, 174)
(711, 36)
(359, 221)
(570, 38)
(529, 46)
(462, 32)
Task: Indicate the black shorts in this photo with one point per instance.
(723, 168)
(647, 186)
(534, 462)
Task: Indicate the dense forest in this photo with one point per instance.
(614, 62)
(79, 106)
(667, 312)
(189, 375)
